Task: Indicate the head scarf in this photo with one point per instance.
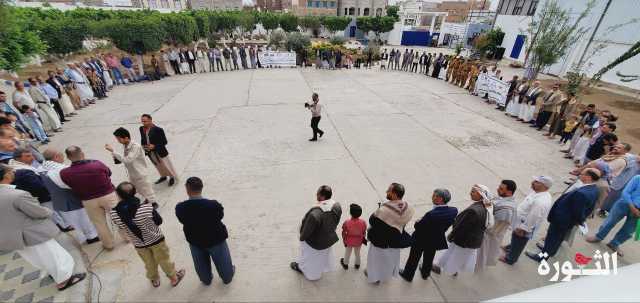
(484, 191)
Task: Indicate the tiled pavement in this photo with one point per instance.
(21, 282)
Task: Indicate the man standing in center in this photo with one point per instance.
(504, 212)
(201, 220)
(135, 163)
(428, 236)
(387, 235)
(154, 143)
(318, 235)
(316, 115)
(90, 181)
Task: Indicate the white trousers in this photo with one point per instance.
(56, 217)
(50, 257)
(67, 106)
(80, 221)
(144, 188)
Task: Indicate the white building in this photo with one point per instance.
(514, 17)
(417, 24)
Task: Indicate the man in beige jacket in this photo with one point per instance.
(549, 104)
(135, 162)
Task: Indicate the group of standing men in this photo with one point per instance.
(202, 60)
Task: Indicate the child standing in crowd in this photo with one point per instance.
(353, 232)
(569, 127)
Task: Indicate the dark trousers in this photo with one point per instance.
(192, 66)
(554, 238)
(427, 254)
(212, 65)
(221, 258)
(314, 126)
(219, 64)
(58, 109)
(566, 136)
(515, 248)
(542, 119)
(175, 66)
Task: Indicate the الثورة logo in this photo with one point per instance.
(567, 269)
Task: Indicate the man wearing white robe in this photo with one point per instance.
(504, 211)
(387, 236)
(49, 118)
(467, 234)
(317, 236)
(528, 105)
(135, 162)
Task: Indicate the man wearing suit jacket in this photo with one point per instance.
(428, 236)
(571, 209)
(154, 143)
(551, 100)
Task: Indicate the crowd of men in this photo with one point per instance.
(40, 191)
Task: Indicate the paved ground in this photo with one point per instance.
(245, 133)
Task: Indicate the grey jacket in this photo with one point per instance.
(319, 224)
(23, 222)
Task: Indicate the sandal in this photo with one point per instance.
(73, 281)
(180, 274)
(155, 283)
(294, 266)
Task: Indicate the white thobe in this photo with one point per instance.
(50, 257)
(382, 264)
(135, 162)
(313, 263)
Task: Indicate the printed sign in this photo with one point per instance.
(605, 264)
(277, 59)
(494, 87)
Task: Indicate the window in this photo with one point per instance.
(332, 4)
(317, 4)
(352, 11)
(325, 4)
(532, 8)
(309, 3)
(346, 11)
(153, 4)
(358, 11)
(366, 11)
(178, 5)
(378, 12)
(517, 9)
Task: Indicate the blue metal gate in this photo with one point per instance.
(517, 46)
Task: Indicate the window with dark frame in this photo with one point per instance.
(517, 9)
(532, 8)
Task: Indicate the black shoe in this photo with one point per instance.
(321, 134)
(357, 266)
(404, 277)
(313, 139)
(540, 246)
(294, 266)
(423, 274)
(344, 266)
(94, 240)
(65, 230)
(533, 256)
(172, 181)
(162, 179)
(436, 269)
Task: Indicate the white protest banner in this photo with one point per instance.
(498, 91)
(482, 84)
(277, 59)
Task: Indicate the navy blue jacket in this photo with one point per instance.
(572, 208)
(430, 229)
(32, 183)
(202, 222)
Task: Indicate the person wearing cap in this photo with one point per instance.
(467, 234)
(529, 215)
(570, 209)
(429, 235)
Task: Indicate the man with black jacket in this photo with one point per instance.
(428, 236)
(201, 220)
(318, 235)
(154, 143)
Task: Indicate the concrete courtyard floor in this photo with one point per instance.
(245, 133)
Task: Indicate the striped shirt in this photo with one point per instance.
(151, 233)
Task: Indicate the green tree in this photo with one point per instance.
(489, 41)
(297, 42)
(17, 43)
(64, 36)
(246, 23)
(269, 21)
(288, 22)
(633, 51)
(277, 38)
(180, 28)
(310, 23)
(553, 31)
(138, 36)
(335, 23)
(227, 22)
(392, 11)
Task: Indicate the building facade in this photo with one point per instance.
(215, 4)
(273, 5)
(361, 8)
(459, 10)
(174, 5)
(315, 7)
(516, 16)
